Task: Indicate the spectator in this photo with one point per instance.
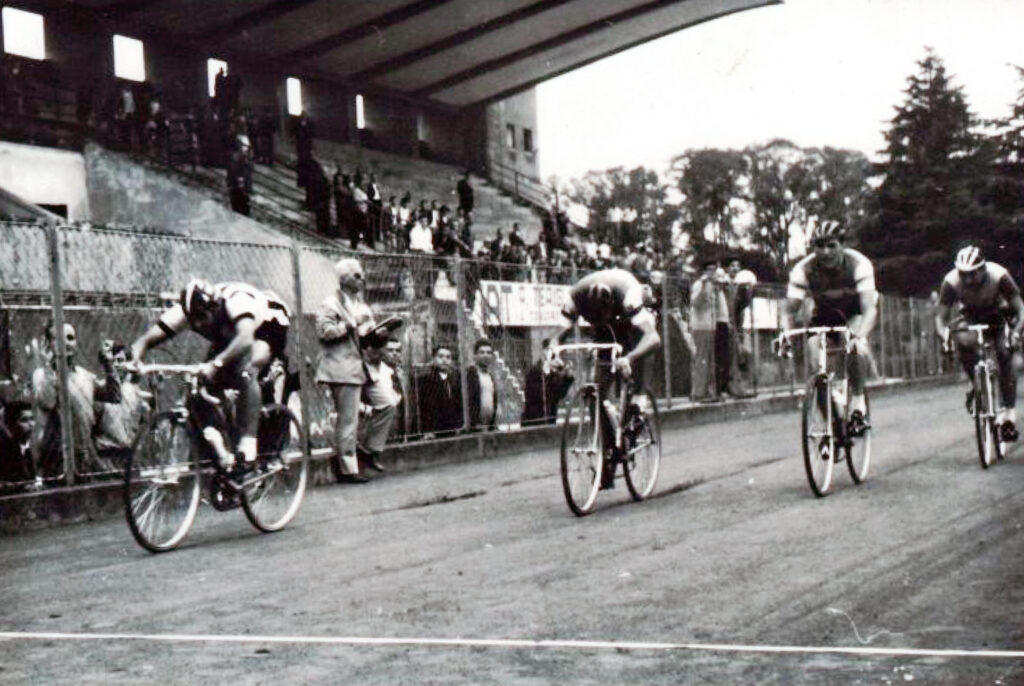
(339, 322)
(239, 181)
(265, 128)
(740, 295)
(380, 401)
(118, 423)
(303, 131)
(360, 215)
(465, 193)
(342, 186)
(421, 240)
(393, 359)
(375, 208)
(515, 239)
(497, 245)
(440, 396)
(17, 469)
(220, 95)
(709, 320)
(482, 389)
(85, 390)
(319, 191)
(547, 382)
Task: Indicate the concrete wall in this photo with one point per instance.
(124, 192)
(519, 112)
(45, 176)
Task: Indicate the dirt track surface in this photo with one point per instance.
(734, 555)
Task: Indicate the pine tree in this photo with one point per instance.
(927, 203)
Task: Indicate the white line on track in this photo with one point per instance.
(513, 644)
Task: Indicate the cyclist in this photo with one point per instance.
(987, 295)
(247, 329)
(613, 302)
(841, 283)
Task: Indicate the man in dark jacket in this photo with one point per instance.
(440, 396)
(482, 388)
(547, 382)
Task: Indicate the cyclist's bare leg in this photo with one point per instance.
(247, 409)
(967, 349)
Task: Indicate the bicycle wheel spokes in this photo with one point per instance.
(984, 418)
(161, 484)
(819, 445)
(273, 493)
(858, 449)
(582, 461)
(643, 447)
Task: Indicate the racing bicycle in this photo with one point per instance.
(825, 425)
(171, 461)
(634, 427)
(984, 397)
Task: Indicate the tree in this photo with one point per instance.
(935, 165)
(711, 182)
(626, 207)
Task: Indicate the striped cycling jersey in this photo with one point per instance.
(992, 297)
(833, 290)
(231, 303)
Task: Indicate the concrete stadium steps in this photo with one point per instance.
(396, 174)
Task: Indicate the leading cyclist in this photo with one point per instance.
(987, 295)
(841, 283)
(247, 329)
(613, 302)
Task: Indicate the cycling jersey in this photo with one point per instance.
(989, 302)
(627, 308)
(231, 303)
(836, 291)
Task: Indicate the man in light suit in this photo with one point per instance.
(340, 321)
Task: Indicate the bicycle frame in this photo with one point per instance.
(821, 364)
(985, 364)
(594, 350)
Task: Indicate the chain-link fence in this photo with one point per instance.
(113, 285)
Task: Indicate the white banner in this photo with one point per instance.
(512, 303)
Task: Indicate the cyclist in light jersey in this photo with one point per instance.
(841, 283)
(987, 294)
(247, 329)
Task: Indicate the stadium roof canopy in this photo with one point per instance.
(452, 52)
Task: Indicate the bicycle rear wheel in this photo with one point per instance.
(858, 448)
(642, 461)
(162, 479)
(985, 429)
(272, 495)
(819, 443)
(582, 452)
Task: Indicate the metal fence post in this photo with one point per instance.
(465, 342)
(299, 337)
(915, 338)
(665, 343)
(60, 353)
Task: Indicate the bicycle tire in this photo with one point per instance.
(817, 437)
(984, 422)
(582, 452)
(162, 482)
(642, 462)
(858, 449)
(272, 496)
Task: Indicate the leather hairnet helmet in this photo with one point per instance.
(969, 259)
(196, 297)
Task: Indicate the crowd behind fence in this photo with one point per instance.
(112, 285)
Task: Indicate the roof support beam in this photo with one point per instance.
(553, 42)
(456, 39)
(269, 12)
(367, 28)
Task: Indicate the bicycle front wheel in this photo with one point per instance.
(162, 479)
(818, 437)
(272, 495)
(642, 461)
(858, 448)
(984, 418)
(582, 452)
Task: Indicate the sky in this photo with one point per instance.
(818, 72)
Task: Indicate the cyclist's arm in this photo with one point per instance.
(171, 322)
(869, 314)
(1018, 305)
(790, 306)
(241, 345)
(650, 340)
